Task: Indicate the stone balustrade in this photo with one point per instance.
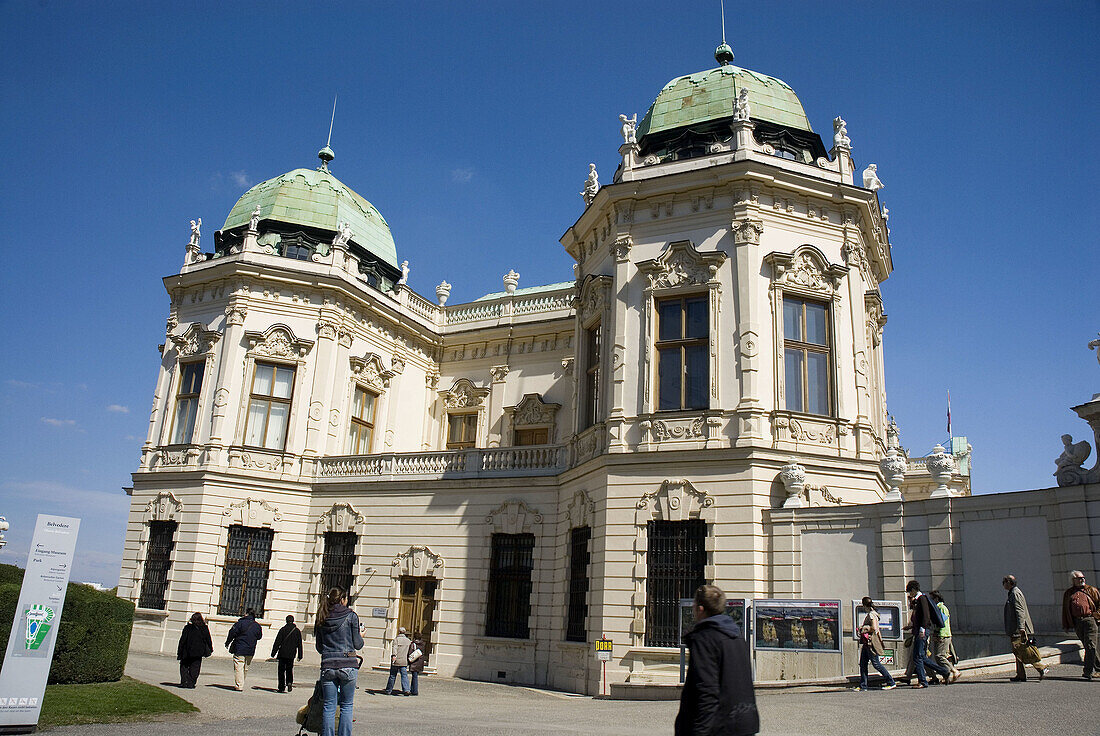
(472, 463)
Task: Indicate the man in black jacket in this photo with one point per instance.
(288, 643)
(717, 698)
(923, 622)
(241, 643)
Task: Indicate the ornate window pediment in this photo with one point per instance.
(514, 517)
(593, 298)
(370, 372)
(252, 512)
(417, 561)
(806, 270)
(464, 395)
(342, 517)
(277, 341)
(682, 265)
(675, 500)
(164, 507)
(195, 340)
(532, 411)
(580, 510)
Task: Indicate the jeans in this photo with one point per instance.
(394, 669)
(415, 690)
(867, 655)
(286, 673)
(338, 688)
(1086, 628)
(921, 659)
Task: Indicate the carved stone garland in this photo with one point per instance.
(532, 411)
(417, 561)
(370, 372)
(593, 298)
(464, 395)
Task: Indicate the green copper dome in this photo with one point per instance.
(317, 199)
(710, 95)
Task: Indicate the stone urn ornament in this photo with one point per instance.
(893, 473)
(442, 292)
(940, 466)
(793, 476)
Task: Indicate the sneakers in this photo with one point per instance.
(890, 686)
(955, 676)
(1042, 674)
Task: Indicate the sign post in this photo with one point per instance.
(603, 654)
(29, 654)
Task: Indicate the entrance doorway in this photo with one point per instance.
(417, 610)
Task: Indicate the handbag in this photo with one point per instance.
(1025, 650)
(415, 654)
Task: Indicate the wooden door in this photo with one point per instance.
(417, 609)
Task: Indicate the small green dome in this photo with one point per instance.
(317, 199)
(723, 54)
(709, 95)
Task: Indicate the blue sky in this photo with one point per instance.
(470, 127)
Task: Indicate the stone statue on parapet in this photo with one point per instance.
(741, 109)
(591, 185)
(404, 280)
(1095, 345)
(195, 234)
(840, 134)
(870, 178)
(629, 130)
(1070, 471)
(343, 234)
(254, 220)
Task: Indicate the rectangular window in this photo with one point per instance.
(591, 377)
(338, 563)
(540, 436)
(269, 406)
(683, 359)
(513, 558)
(461, 431)
(676, 564)
(154, 582)
(362, 421)
(187, 402)
(244, 579)
(578, 584)
(807, 353)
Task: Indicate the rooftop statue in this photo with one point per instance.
(195, 234)
(1070, 472)
(630, 126)
(741, 109)
(343, 235)
(870, 178)
(404, 280)
(254, 221)
(840, 133)
(1095, 345)
(591, 185)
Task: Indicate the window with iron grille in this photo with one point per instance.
(578, 583)
(683, 362)
(509, 608)
(244, 579)
(677, 558)
(338, 562)
(154, 583)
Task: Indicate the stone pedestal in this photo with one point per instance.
(742, 134)
(630, 153)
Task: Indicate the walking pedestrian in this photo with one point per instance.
(1080, 613)
(923, 621)
(872, 647)
(288, 642)
(194, 644)
(338, 637)
(416, 662)
(717, 698)
(241, 643)
(399, 662)
(942, 648)
(1019, 629)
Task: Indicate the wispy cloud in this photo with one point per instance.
(22, 384)
(43, 490)
(462, 176)
(118, 409)
(239, 178)
(59, 422)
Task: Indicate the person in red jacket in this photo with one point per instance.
(1080, 613)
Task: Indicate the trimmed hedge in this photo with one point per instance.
(94, 637)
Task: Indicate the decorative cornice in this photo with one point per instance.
(682, 265)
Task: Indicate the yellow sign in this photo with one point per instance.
(603, 645)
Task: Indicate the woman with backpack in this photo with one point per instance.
(195, 643)
(337, 630)
(871, 647)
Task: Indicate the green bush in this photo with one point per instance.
(94, 636)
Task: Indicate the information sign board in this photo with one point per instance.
(603, 649)
(799, 625)
(891, 619)
(29, 654)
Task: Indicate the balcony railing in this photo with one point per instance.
(494, 462)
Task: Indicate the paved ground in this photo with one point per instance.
(1063, 704)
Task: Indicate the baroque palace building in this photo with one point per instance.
(517, 476)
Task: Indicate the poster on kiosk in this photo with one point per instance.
(29, 654)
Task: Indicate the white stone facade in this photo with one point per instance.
(740, 232)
